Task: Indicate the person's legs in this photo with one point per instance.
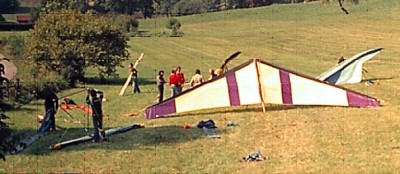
(172, 91)
(135, 85)
(52, 119)
(177, 90)
(160, 93)
(96, 136)
(46, 123)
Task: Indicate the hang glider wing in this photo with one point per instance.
(257, 82)
(350, 70)
(108, 132)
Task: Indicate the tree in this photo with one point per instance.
(54, 5)
(66, 42)
(7, 138)
(7, 6)
(145, 6)
(189, 7)
(164, 7)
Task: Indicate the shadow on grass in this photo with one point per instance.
(380, 78)
(143, 138)
(247, 109)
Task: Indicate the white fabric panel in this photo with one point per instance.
(211, 95)
(309, 92)
(270, 84)
(248, 87)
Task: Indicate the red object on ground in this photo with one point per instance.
(65, 106)
(186, 126)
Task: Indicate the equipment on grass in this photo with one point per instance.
(108, 132)
(349, 71)
(128, 80)
(26, 142)
(210, 133)
(259, 82)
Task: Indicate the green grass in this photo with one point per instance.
(306, 37)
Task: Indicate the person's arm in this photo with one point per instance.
(87, 99)
(158, 80)
(101, 95)
(170, 80)
(55, 102)
(191, 83)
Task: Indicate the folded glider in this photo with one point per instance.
(349, 71)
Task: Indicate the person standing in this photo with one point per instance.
(173, 82)
(50, 107)
(181, 78)
(18, 90)
(197, 79)
(160, 85)
(212, 74)
(135, 80)
(95, 103)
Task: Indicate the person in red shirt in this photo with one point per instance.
(173, 82)
(181, 78)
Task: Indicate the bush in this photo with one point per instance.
(125, 23)
(175, 26)
(7, 139)
(38, 85)
(173, 23)
(14, 45)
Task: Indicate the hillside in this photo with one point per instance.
(308, 38)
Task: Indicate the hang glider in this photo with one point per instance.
(259, 82)
(350, 70)
(23, 144)
(108, 132)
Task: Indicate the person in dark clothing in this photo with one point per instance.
(160, 85)
(95, 103)
(50, 107)
(341, 59)
(135, 81)
(18, 90)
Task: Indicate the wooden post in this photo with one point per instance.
(260, 89)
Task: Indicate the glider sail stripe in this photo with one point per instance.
(356, 100)
(164, 108)
(233, 89)
(255, 82)
(286, 87)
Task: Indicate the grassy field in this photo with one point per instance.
(308, 38)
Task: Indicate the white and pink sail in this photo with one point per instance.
(259, 82)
